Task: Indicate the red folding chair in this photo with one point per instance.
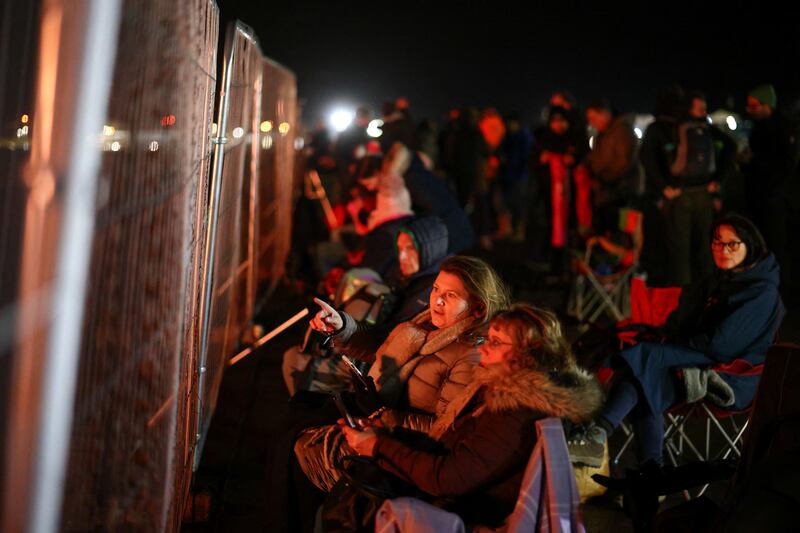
(650, 306)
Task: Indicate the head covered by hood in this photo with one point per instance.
(430, 239)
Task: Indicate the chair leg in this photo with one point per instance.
(629, 438)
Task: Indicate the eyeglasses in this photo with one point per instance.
(494, 343)
(732, 246)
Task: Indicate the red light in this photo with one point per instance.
(168, 120)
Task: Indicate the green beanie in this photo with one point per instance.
(765, 94)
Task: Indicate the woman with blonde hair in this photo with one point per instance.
(424, 363)
(483, 439)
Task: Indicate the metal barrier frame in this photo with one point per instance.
(219, 142)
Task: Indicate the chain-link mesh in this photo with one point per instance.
(133, 434)
(276, 174)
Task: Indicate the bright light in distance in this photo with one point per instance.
(283, 129)
(213, 128)
(299, 143)
(266, 126)
(638, 132)
(108, 131)
(115, 146)
(709, 119)
(238, 132)
(374, 129)
(266, 142)
(154, 146)
(591, 141)
(341, 119)
(731, 122)
(24, 119)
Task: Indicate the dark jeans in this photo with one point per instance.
(626, 399)
(687, 232)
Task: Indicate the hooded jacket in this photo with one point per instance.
(729, 316)
(485, 437)
(361, 340)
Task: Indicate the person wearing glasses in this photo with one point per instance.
(733, 315)
(471, 460)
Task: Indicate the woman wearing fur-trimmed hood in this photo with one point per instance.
(481, 443)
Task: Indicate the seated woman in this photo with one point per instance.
(485, 436)
(421, 246)
(733, 315)
(424, 363)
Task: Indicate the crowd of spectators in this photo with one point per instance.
(450, 376)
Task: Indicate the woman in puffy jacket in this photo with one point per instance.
(423, 364)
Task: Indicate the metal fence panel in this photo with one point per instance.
(230, 230)
(276, 174)
(133, 431)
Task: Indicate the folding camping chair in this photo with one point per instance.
(652, 306)
(677, 439)
(649, 306)
(604, 269)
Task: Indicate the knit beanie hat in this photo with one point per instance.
(765, 94)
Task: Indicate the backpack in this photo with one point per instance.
(695, 157)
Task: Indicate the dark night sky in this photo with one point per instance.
(443, 54)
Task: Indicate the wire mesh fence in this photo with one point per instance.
(170, 266)
(278, 130)
(133, 434)
(227, 312)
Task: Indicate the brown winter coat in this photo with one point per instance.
(487, 435)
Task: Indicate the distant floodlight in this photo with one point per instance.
(638, 132)
(238, 132)
(299, 143)
(24, 119)
(115, 146)
(266, 126)
(731, 122)
(374, 129)
(283, 128)
(340, 119)
(591, 142)
(709, 119)
(109, 131)
(266, 142)
(154, 146)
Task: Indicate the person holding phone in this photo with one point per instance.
(472, 459)
(423, 364)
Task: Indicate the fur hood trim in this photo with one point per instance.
(575, 395)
